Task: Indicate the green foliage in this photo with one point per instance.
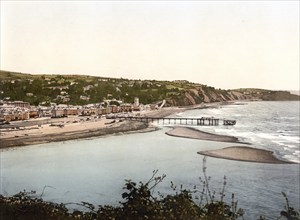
(138, 203)
(290, 213)
(46, 88)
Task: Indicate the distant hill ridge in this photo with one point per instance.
(81, 89)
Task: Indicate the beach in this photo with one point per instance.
(45, 130)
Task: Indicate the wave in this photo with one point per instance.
(292, 158)
(268, 125)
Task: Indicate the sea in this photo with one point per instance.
(94, 170)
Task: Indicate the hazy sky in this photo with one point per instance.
(226, 44)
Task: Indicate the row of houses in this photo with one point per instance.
(18, 110)
(96, 110)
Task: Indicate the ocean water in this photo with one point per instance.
(268, 125)
(94, 170)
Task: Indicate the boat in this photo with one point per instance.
(229, 122)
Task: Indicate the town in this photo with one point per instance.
(20, 110)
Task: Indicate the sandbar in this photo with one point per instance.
(188, 132)
(242, 153)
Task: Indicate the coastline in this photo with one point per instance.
(39, 131)
(46, 130)
(60, 135)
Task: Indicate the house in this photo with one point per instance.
(58, 113)
(72, 111)
(44, 111)
(136, 101)
(33, 113)
(114, 109)
(83, 97)
(63, 98)
(63, 93)
(126, 108)
(19, 104)
(87, 88)
(21, 115)
(103, 80)
(61, 88)
(109, 96)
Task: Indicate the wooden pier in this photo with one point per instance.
(203, 121)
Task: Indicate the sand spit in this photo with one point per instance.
(247, 154)
(187, 132)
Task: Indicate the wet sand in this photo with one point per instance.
(247, 154)
(187, 132)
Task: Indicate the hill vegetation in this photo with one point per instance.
(82, 89)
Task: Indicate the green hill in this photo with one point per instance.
(82, 89)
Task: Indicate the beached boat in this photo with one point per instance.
(229, 122)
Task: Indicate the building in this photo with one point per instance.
(19, 104)
(136, 102)
(126, 108)
(58, 113)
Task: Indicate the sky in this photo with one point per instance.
(225, 44)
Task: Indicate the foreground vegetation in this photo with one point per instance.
(138, 202)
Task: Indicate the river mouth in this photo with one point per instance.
(94, 170)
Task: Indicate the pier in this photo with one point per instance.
(203, 121)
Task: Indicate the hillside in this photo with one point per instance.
(81, 89)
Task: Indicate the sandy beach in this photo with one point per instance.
(45, 130)
(47, 133)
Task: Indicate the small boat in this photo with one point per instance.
(229, 122)
(111, 122)
(57, 125)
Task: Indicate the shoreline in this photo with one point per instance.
(46, 130)
(40, 131)
(114, 129)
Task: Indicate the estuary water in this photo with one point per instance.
(94, 170)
